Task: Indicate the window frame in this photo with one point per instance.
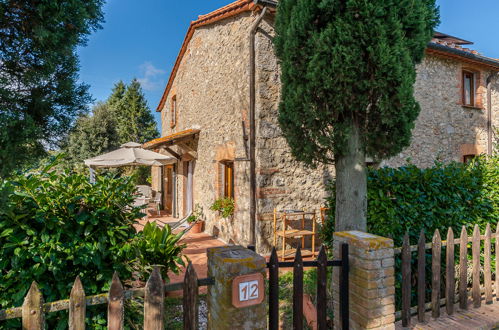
(228, 179)
(472, 75)
(173, 119)
(468, 158)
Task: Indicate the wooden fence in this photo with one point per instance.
(34, 309)
(450, 279)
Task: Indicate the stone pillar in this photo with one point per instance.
(371, 280)
(225, 264)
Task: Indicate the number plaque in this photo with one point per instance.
(247, 290)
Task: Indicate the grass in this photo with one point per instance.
(173, 316)
(286, 295)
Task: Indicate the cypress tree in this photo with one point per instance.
(348, 70)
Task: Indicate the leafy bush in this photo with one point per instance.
(158, 246)
(223, 205)
(55, 226)
(410, 199)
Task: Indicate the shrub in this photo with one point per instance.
(158, 246)
(410, 199)
(223, 205)
(55, 226)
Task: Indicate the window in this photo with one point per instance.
(468, 88)
(468, 158)
(174, 112)
(228, 179)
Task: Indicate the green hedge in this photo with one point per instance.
(410, 199)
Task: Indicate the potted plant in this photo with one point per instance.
(225, 206)
(197, 219)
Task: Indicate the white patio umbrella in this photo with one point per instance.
(128, 155)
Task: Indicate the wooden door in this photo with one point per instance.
(168, 189)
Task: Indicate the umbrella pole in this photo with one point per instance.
(92, 175)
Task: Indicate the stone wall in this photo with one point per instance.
(211, 89)
(212, 92)
(445, 129)
(282, 182)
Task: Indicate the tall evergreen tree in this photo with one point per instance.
(348, 69)
(40, 96)
(122, 118)
(135, 120)
(117, 94)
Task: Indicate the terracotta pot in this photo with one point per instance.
(197, 228)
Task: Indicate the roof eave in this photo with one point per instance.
(467, 56)
(231, 10)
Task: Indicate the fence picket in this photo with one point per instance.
(115, 307)
(298, 291)
(154, 301)
(321, 289)
(406, 281)
(486, 266)
(32, 309)
(476, 268)
(435, 270)
(450, 283)
(274, 291)
(190, 300)
(421, 276)
(463, 269)
(497, 261)
(77, 306)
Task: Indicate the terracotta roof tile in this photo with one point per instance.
(170, 138)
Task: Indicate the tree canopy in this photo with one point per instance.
(348, 70)
(350, 61)
(123, 117)
(135, 121)
(40, 95)
(92, 135)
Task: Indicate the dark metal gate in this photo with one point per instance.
(321, 264)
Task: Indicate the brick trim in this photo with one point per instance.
(471, 149)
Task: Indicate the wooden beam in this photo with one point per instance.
(173, 153)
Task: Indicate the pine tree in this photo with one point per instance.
(117, 94)
(348, 69)
(122, 118)
(135, 120)
(40, 96)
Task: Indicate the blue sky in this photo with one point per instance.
(141, 39)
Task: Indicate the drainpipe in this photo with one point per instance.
(489, 113)
(252, 137)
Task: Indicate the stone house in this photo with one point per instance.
(219, 119)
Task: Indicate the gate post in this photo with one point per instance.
(227, 265)
(371, 281)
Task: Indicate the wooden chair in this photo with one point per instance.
(291, 233)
